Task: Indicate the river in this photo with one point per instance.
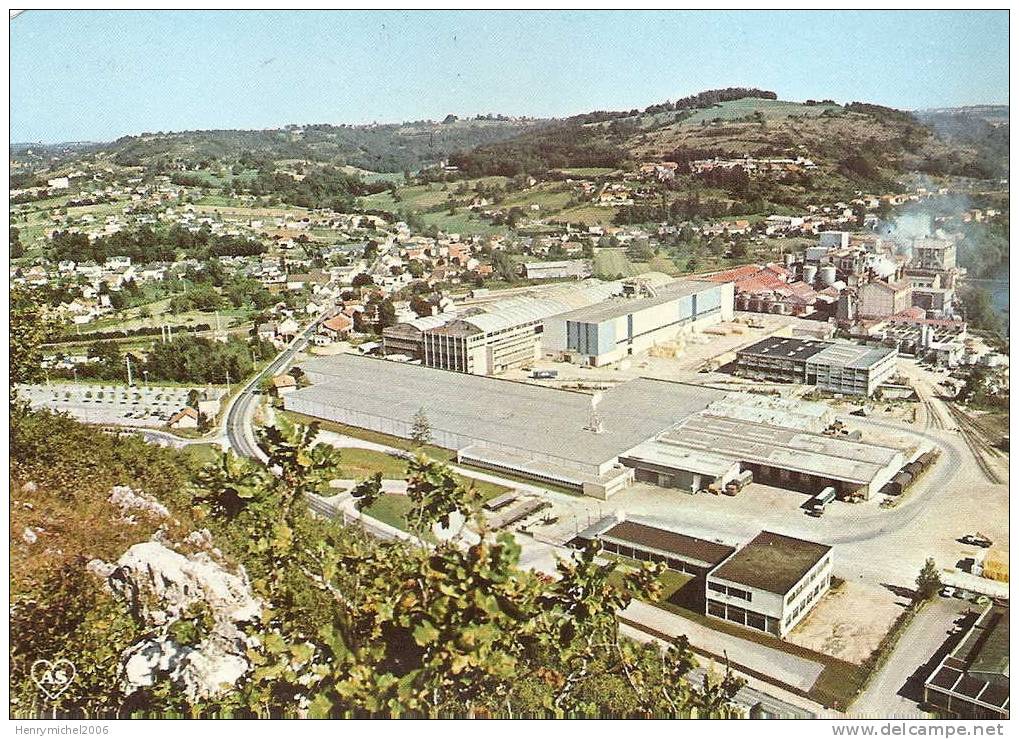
(996, 283)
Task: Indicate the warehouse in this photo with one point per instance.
(667, 433)
(780, 456)
(676, 551)
(643, 316)
(544, 433)
(836, 367)
(568, 268)
(770, 584)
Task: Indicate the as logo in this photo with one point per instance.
(53, 677)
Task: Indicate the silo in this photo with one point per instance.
(809, 273)
(828, 275)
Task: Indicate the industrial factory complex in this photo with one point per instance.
(593, 323)
(674, 434)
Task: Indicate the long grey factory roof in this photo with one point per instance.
(782, 347)
(839, 354)
(620, 306)
(852, 356)
(814, 454)
(538, 419)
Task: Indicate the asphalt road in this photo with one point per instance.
(896, 691)
(237, 421)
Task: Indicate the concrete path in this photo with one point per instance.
(756, 693)
(897, 689)
(786, 668)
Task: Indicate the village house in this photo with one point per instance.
(185, 418)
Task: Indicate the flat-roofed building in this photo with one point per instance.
(631, 324)
(972, 681)
(934, 254)
(543, 433)
(494, 336)
(770, 584)
(670, 433)
(780, 456)
(407, 338)
(837, 367)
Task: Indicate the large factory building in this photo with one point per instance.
(643, 316)
(837, 367)
(672, 434)
(594, 323)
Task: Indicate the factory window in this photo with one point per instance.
(716, 587)
(716, 609)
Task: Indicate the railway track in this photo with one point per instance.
(934, 419)
(973, 435)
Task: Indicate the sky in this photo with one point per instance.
(95, 76)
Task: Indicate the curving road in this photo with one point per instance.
(237, 420)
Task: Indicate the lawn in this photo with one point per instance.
(391, 509)
(435, 452)
(359, 464)
(203, 453)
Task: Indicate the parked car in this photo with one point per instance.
(977, 540)
(947, 592)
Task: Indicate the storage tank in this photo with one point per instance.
(828, 275)
(809, 273)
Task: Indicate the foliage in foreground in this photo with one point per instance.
(355, 626)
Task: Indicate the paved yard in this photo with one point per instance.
(849, 623)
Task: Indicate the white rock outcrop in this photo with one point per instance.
(163, 586)
(126, 499)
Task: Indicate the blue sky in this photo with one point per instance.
(85, 75)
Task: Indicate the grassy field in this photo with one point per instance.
(159, 315)
(435, 452)
(588, 171)
(203, 453)
(590, 215)
(609, 263)
(462, 222)
(734, 109)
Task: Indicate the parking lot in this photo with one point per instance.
(144, 406)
